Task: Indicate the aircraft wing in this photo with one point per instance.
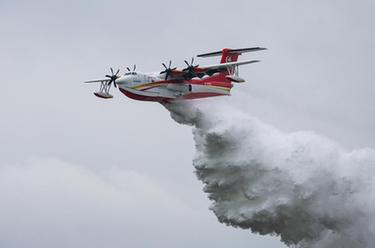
(97, 80)
(222, 66)
(206, 70)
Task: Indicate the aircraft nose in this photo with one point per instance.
(120, 81)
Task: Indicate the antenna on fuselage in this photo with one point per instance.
(134, 67)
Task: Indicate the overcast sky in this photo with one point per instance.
(78, 171)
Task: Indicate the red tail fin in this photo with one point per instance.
(228, 56)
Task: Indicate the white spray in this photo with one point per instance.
(300, 186)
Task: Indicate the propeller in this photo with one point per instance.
(190, 68)
(168, 69)
(113, 77)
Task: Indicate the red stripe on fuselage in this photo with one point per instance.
(200, 95)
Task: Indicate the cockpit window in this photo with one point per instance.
(130, 73)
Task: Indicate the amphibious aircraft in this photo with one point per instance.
(173, 84)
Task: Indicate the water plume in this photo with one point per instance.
(300, 186)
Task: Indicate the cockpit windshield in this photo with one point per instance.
(130, 73)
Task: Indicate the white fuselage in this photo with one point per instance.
(154, 87)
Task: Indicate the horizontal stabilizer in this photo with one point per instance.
(232, 51)
(229, 64)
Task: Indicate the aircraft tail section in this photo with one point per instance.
(230, 55)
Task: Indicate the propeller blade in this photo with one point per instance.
(186, 63)
(108, 76)
(192, 60)
(134, 67)
(117, 72)
(164, 66)
(170, 63)
(111, 70)
(128, 69)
